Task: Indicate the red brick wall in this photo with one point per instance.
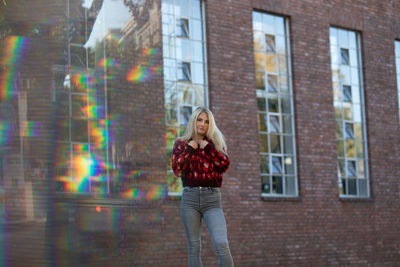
(317, 228)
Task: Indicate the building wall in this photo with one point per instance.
(316, 228)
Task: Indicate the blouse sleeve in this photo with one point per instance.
(220, 160)
(182, 153)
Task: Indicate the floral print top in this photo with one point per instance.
(199, 167)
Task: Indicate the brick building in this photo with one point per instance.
(94, 93)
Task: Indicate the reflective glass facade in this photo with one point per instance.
(82, 124)
(347, 86)
(184, 71)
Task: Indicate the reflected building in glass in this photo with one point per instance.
(93, 94)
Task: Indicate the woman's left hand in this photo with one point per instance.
(203, 144)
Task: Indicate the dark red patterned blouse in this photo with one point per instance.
(199, 167)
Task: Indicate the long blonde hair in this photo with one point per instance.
(213, 132)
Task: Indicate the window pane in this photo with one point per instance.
(344, 55)
(349, 131)
(348, 103)
(340, 148)
(274, 124)
(182, 27)
(352, 186)
(273, 105)
(263, 139)
(262, 122)
(350, 149)
(184, 72)
(286, 105)
(260, 80)
(274, 102)
(272, 83)
(198, 73)
(275, 143)
(289, 167)
(288, 144)
(290, 185)
(277, 165)
(270, 61)
(261, 104)
(277, 185)
(259, 61)
(287, 124)
(264, 164)
(270, 43)
(351, 168)
(196, 32)
(347, 93)
(265, 184)
(185, 112)
(363, 187)
(258, 41)
(341, 168)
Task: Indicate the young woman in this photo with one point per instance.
(200, 159)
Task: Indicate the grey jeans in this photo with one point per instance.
(204, 203)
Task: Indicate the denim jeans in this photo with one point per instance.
(204, 203)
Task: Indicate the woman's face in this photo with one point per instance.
(202, 124)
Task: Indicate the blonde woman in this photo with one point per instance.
(200, 159)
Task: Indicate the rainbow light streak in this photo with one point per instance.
(108, 62)
(30, 129)
(81, 168)
(155, 192)
(150, 51)
(145, 71)
(137, 74)
(135, 174)
(98, 133)
(82, 80)
(132, 193)
(13, 53)
(140, 73)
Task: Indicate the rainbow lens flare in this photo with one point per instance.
(13, 53)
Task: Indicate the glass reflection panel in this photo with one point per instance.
(264, 165)
(277, 184)
(184, 70)
(272, 82)
(263, 140)
(274, 102)
(266, 184)
(86, 89)
(349, 108)
(277, 165)
(290, 185)
(262, 122)
(270, 62)
(275, 141)
(182, 27)
(260, 80)
(274, 124)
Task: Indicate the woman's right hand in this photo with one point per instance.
(193, 144)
